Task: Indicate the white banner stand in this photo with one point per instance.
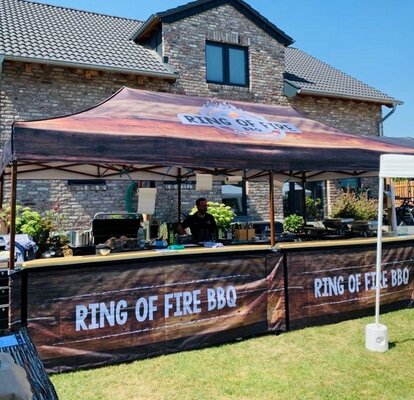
(391, 166)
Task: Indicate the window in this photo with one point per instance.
(227, 64)
(235, 196)
(350, 184)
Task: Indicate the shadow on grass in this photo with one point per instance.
(397, 342)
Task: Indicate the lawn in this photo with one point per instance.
(328, 362)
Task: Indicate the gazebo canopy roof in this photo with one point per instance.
(150, 135)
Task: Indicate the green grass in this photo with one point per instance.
(328, 362)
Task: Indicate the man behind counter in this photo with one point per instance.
(202, 224)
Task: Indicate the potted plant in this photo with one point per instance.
(313, 208)
(293, 223)
(37, 226)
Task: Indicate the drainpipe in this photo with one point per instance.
(381, 123)
(2, 176)
(1, 71)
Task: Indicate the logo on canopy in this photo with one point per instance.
(225, 116)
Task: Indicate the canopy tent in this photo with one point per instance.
(156, 136)
(152, 135)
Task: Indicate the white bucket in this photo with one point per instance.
(376, 337)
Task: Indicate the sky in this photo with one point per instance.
(371, 40)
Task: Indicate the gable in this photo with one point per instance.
(199, 6)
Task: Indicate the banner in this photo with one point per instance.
(97, 314)
(114, 311)
(333, 284)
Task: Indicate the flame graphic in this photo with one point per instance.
(233, 114)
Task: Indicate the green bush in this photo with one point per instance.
(37, 226)
(358, 207)
(222, 214)
(313, 207)
(293, 223)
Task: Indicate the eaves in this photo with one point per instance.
(171, 75)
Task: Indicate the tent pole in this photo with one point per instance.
(393, 211)
(1, 190)
(179, 195)
(304, 197)
(272, 208)
(379, 250)
(12, 214)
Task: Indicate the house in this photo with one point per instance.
(56, 61)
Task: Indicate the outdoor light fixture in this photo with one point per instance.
(233, 179)
(204, 182)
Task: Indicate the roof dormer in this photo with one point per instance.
(150, 29)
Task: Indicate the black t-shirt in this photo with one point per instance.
(202, 229)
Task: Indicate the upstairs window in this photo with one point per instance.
(227, 64)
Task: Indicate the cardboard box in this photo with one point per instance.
(244, 234)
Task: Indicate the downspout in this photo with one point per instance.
(381, 123)
(1, 74)
(1, 66)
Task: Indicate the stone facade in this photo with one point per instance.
(184, 45)
(34, 91)
(346, 115)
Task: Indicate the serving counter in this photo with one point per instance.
(94, 310)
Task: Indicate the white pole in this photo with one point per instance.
(376, 335)
(393, 212)
(379, 250)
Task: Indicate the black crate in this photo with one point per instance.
(4, 317)
(4, 295)
(4, 278)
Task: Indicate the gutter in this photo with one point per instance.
(163, 75)
(381, 123)
(295, 90)
(1, 84)
(390, 102)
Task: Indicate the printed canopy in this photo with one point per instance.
(152, 135)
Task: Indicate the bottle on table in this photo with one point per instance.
(141, 238)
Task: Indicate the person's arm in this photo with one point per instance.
(182, 226)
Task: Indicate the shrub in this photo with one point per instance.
(313, 207)
(37, 226)
(358, 207)
(293, 223)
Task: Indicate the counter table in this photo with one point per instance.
(87, 311)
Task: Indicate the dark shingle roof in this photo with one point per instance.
(199, 6)
(48, 33)
(314, 77)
